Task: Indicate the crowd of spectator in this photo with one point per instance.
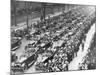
(61, 37)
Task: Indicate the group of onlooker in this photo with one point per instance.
(68, 27)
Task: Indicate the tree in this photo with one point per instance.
(13, 9)
(26, 7)
(43, 5)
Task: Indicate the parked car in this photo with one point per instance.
(15, 43)
(24, 63)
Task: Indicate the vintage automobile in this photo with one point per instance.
(40, 67)
(15, 43)
(30, 45)
(24, 63)
(13, 56)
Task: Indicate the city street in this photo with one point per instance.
(54, 42)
